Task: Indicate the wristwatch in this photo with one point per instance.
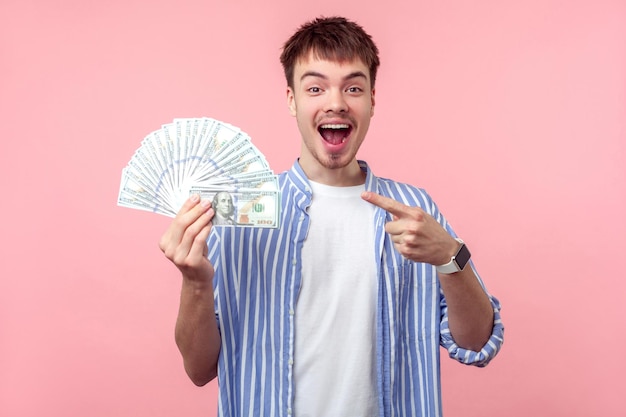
(457, 262)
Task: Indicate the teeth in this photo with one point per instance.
(335, 126)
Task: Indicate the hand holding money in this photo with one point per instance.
(184, 242)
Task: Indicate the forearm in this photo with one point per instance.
(197, 334)
(470, 314)
(420, 238)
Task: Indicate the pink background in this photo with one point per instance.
(512, 114)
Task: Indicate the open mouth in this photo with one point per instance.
(335, 133)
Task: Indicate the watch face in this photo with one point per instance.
(462, 257)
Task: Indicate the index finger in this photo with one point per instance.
(189, 204)
(191, 210)
(388, 204)
(190, 214)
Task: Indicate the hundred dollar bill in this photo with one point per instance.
(260, 180)
(204, 156)
(195, 130)
(242, 207)
(135, 195)
(251, 163)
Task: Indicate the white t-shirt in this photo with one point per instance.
(335, 349)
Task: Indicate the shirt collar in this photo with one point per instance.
(299, 179)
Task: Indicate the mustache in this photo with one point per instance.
(334, 117)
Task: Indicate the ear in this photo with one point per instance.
(373, 102)
(291, 101)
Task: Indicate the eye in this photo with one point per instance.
(354, 90)
(314, 90)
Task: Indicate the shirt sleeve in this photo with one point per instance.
(470, 357)
(494, 344)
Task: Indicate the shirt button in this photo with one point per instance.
(294, 261)
(289, 411)
(291, 312)
(290, 362)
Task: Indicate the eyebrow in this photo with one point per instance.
(355, 74)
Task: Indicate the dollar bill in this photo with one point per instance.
(241, 207)
(203, 156)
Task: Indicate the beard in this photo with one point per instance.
(332, 160)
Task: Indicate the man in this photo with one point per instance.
(224, 209)
(340, 311)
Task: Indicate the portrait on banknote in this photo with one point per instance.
(224, 209)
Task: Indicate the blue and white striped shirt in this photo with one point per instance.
(257, 278)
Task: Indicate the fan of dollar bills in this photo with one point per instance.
(206, 157)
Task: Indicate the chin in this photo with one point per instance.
(337, 161)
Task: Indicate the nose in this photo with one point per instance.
(335, 101)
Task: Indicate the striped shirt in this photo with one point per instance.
(257, 279)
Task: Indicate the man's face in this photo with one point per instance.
(224, 205)
(333, 104)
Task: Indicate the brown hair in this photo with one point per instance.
(330, 38)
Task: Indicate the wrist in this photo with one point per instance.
(458, 261)
(197, 284)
